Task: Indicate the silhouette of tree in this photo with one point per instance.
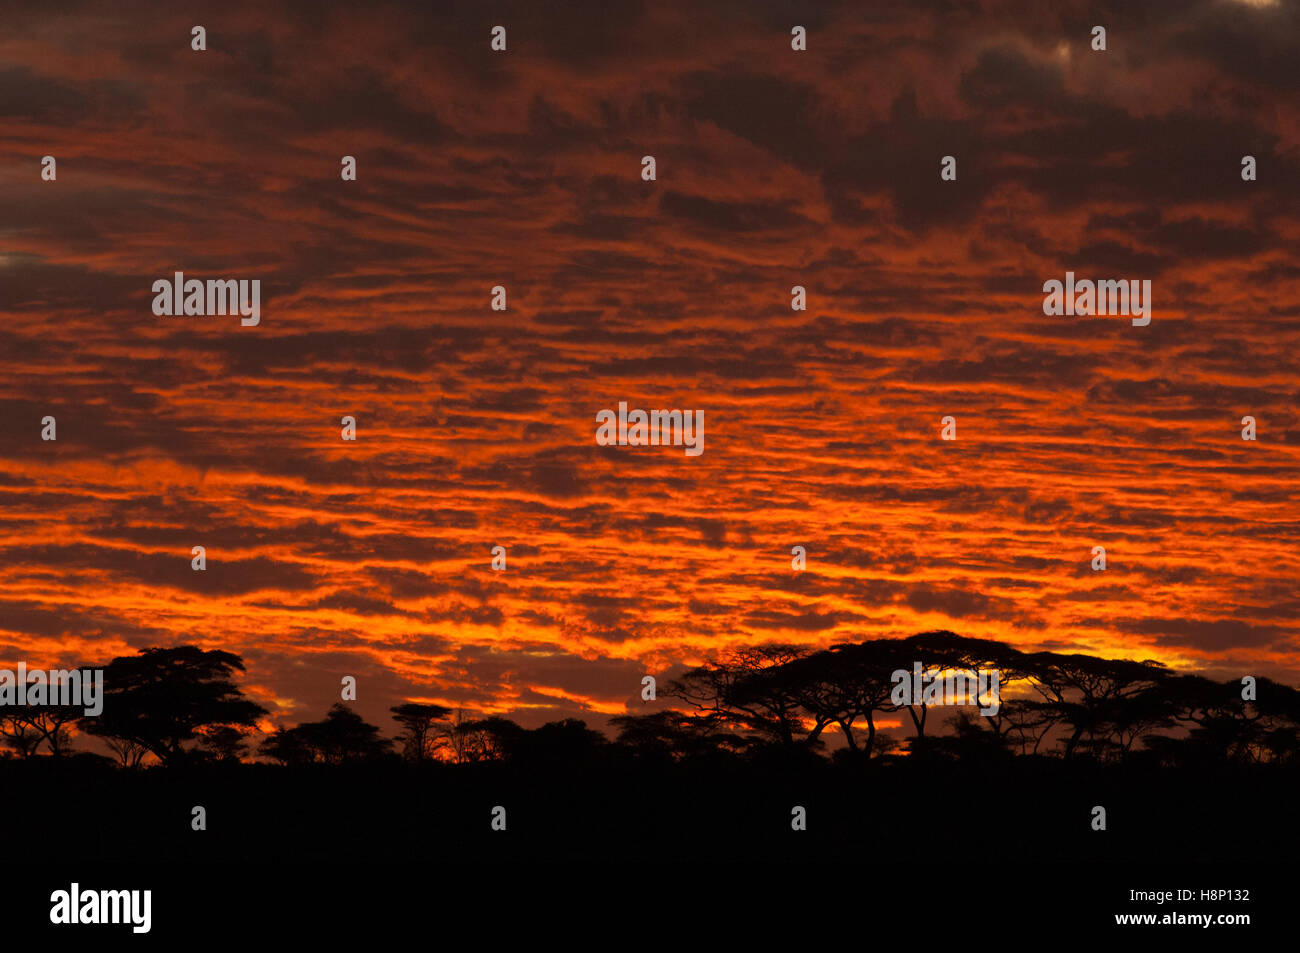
(1025, 722)
(1124, 720)
(27, 726)
(342, 737)
(1082, 691)
(670, 735)
(751, 689)
(556, 744)
(781, 692)
(775, 704)
(287, 746)
(970, 739)
(1105, 708)
(835, 686)
(497, 738)
(52, 722)
(129, 753)
(419, 737)
(467, 740)
(1226, 727)
(161, 698)
(940, 651)
(19, 732)
(223, 742)
(1281, 744)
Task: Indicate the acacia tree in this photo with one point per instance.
(939, 651)
(671, 735)
(129, 753)
(419, 736)
(25, 728)
(1024, 722)
(787, 693)
(843, 684)
(163, 698)
(287, 746)
(752, 688)
(341, 737)
(1227, 726)
(464, 740)
(1127, 719)
(52, 723)
(223, 742)
(1084, 692)
(493, 738)
(18, 732)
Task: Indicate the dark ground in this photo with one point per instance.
(926, 844)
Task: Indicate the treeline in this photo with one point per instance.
(182, 705)
(1072, 706)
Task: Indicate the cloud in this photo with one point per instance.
(476, 427)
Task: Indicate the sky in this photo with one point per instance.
(475, 428)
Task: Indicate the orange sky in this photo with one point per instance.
(476, 428)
